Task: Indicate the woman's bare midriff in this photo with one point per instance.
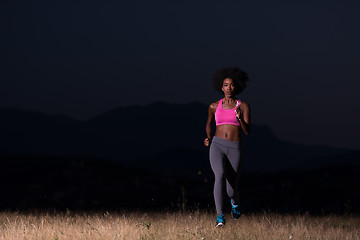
(228, 132)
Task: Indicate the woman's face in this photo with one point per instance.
(228, 87)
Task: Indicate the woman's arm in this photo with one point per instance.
(211, 115)
(244, 117)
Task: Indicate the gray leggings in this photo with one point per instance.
(225, 160)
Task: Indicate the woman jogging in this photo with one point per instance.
(230, 115)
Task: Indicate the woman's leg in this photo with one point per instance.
(232, 169)
(217, 156)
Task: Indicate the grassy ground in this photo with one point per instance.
(180, 225)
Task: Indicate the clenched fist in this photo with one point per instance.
(207, 142)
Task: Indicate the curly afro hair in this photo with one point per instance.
(236, 74)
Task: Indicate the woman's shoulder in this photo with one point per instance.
(213, 106)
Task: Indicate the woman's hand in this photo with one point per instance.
(207, 142)
(243, 115)
(238, 112)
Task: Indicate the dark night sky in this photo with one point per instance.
(82, 58)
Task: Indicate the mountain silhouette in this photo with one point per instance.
(158, 137)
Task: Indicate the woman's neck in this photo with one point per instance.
(229, 99)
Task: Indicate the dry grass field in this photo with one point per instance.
(179, 225)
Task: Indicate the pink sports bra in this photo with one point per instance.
(226, 116)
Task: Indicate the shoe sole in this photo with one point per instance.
(219, 225)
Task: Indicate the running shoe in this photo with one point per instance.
(235, 212)
(220, 221)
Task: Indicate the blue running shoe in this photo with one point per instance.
(220, 221)
(235, 212)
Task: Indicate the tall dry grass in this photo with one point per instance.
(180, 225)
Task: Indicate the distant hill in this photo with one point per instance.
(159, 136)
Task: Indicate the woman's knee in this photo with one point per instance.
(219, 177)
